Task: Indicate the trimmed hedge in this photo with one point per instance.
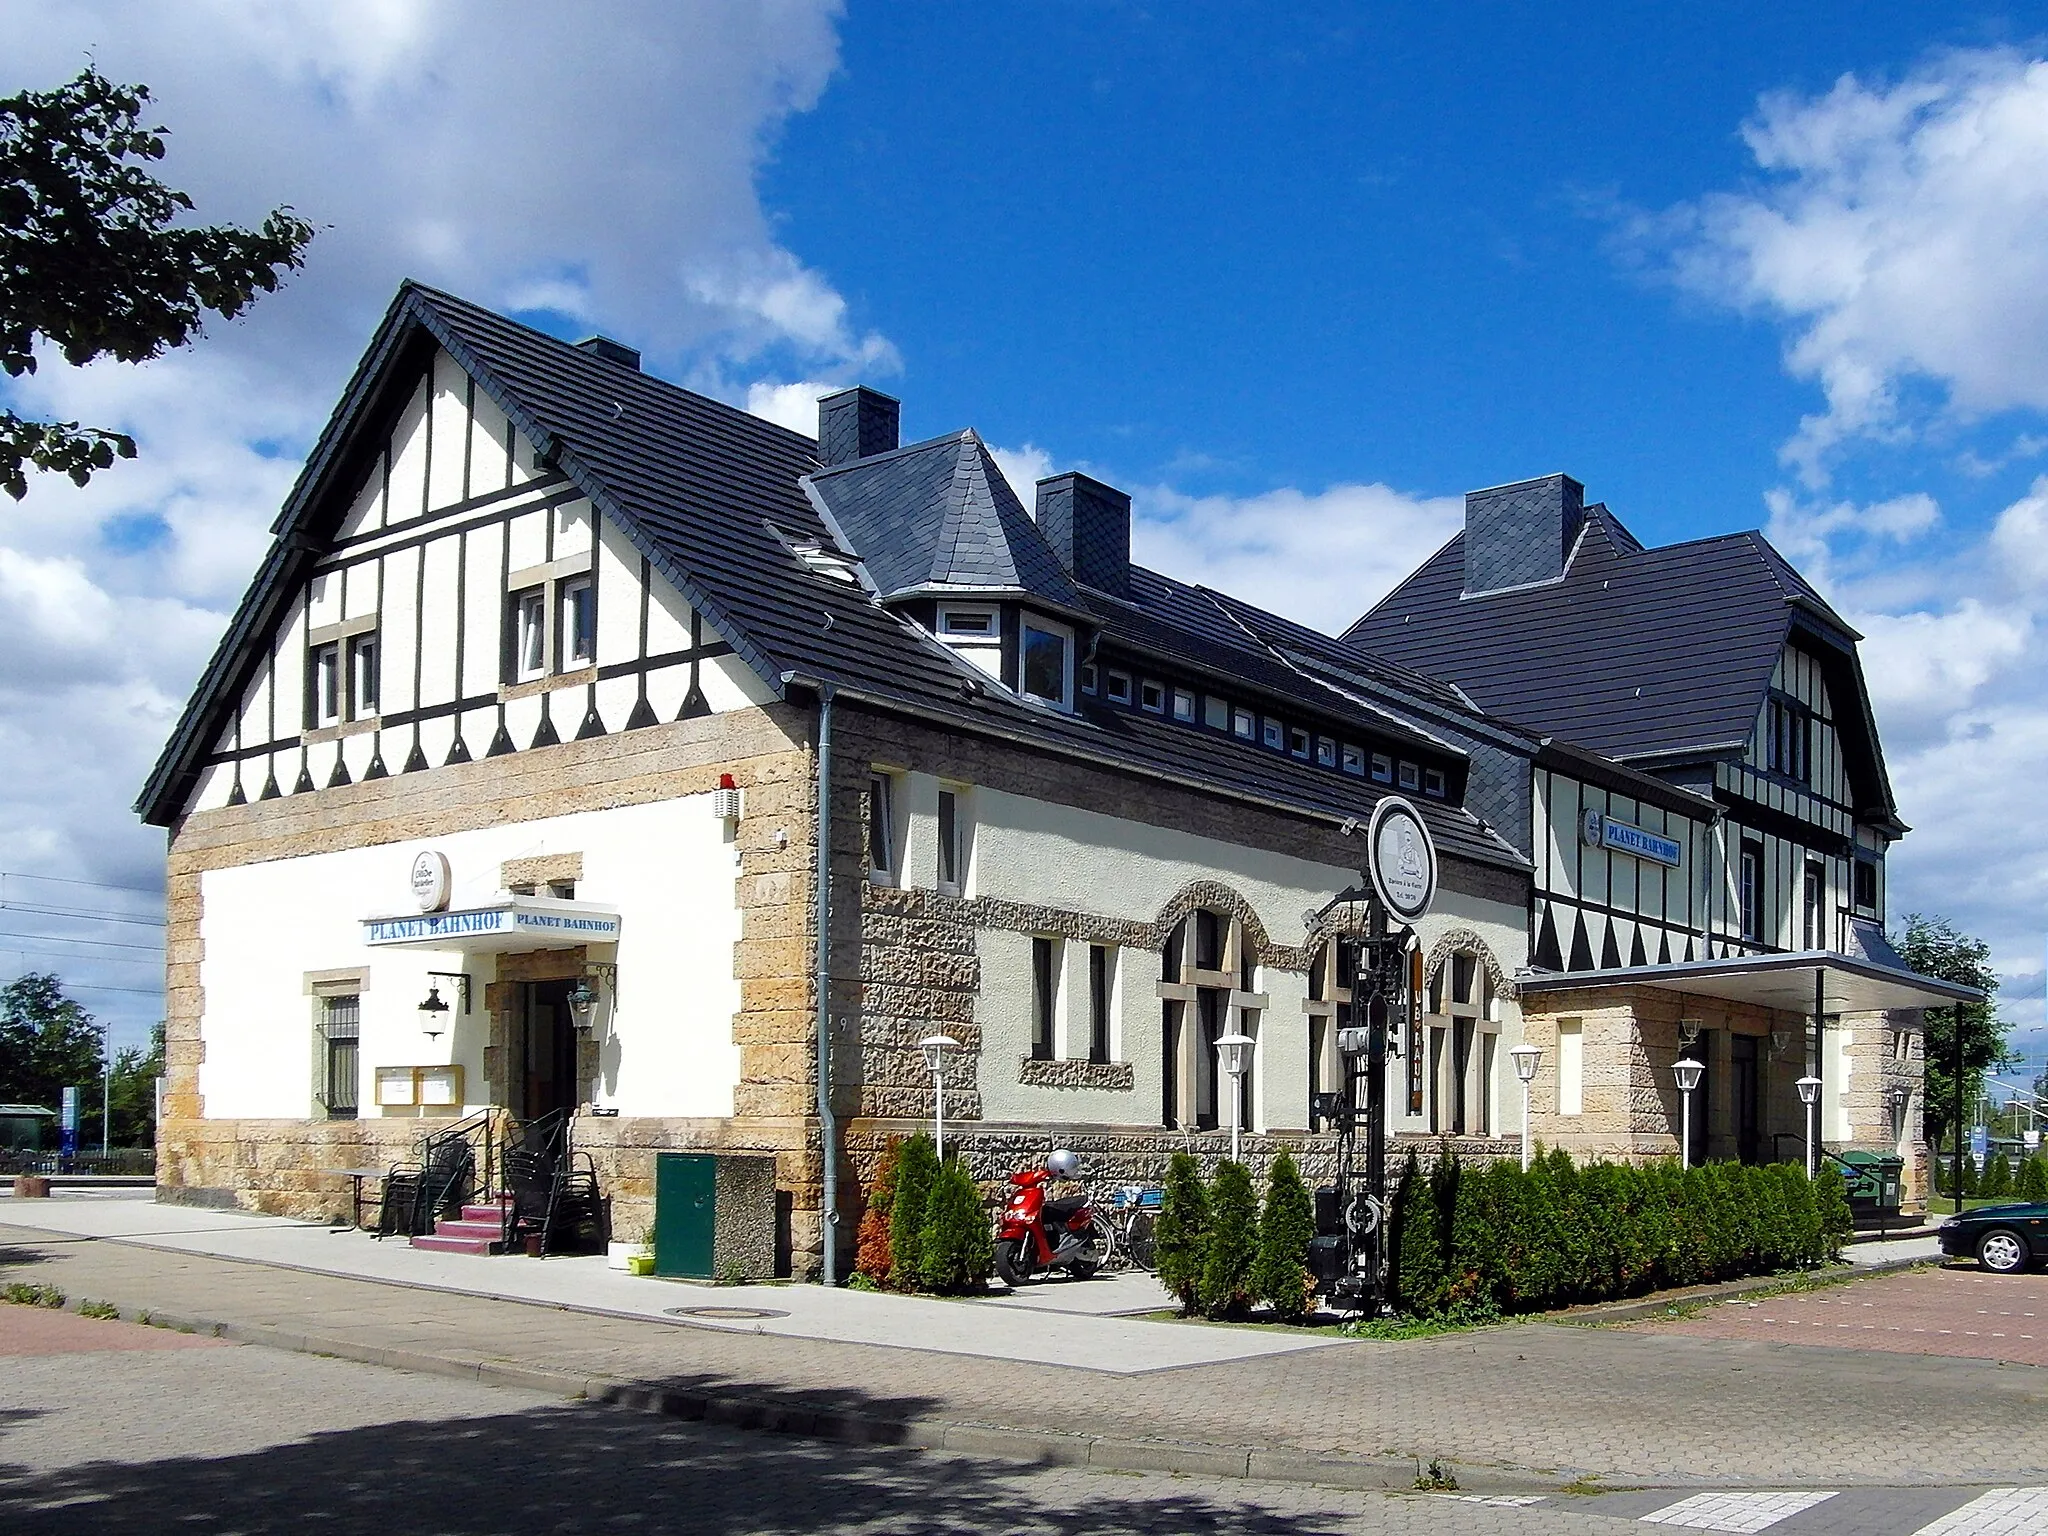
(1180, 1240)
(1477, 1241)
(1280, 1276)
(1233, 1242)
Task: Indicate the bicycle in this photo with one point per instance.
(1132, 1222)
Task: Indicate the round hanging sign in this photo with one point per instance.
(1403, 859)
(430, 882)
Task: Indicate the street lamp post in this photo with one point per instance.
(1234, 1056)
(935, 1048)
(1526, 1058)
(1809, 1095)
(1688, 1072)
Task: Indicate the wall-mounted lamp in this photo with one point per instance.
(433, 1011)
(583, 996)
(1688, 1032)
(1781, 1041)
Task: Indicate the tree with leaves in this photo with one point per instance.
(1934, 946)
(94, 262)
(48, 1043)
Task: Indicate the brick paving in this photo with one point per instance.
(1631, 1405)
(1963, 1313)
(26, 1331)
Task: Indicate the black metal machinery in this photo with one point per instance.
(1348, 1254)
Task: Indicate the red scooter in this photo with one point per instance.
(1035, 1235)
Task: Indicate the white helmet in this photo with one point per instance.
(1062, 1164)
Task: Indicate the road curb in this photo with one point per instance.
(1656, 1305)
(735, 1411)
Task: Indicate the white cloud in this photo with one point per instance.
(1901, 230)
(1321, 558)
(794, 406)
(1024, 467)
(597, 161)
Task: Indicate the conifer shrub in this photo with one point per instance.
(1997, 1181)
(1280, 1276)
(1180, 1238)
(955, 1250)
(871, 1254)
(1425, 1259)
(1232, 1245)
(1408, 1187)
(1831, 1208)
(917, 1169)
(2032, 1184)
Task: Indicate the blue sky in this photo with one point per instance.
(1296, 280)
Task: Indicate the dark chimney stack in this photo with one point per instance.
(611, 351)
(856, 423)
(1088, 525)
(1516, 535)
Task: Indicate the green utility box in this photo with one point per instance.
(1875, 1184)
(714, 1216)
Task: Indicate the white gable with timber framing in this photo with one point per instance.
(471, 603)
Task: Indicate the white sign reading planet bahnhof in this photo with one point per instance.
(530, 922)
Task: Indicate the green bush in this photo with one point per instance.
(1233, 1243)
(1472, 1243)
(2033, 1180)
(917, 1169)
(954, 1249)
(1280, 1276)
(1181, 1238)
(1997, 1180)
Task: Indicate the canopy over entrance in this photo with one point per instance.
(509, 923)
(1814, 981)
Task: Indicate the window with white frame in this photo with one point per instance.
(1463, 1041)
(1274, 735)
(325, 684)
(1331, 975)
(968, 623)
(1116, 687)
(1298, 743)
(881, 826)
(1152, 697)
(1244, 725)
(529, 631)
(1382, 768)
(1434, 783)
(1411, 776)
(578, 623)
(1045, 664)
(1354, 761)
(1326, 752)
(362, 676)
(1215, 712)
(1183, 706)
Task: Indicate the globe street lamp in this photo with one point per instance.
(1526, 1058)
(1688, 1073)
(1234, 1056)
(1809, 1095)
(935, 1048)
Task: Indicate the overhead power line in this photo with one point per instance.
(87, 986)
(96, 917)
(58, 938)
(96, 885)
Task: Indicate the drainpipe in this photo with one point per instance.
(828, 1128)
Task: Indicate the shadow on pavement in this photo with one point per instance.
(592, 1468)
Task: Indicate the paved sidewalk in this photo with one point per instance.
(1518, 1408)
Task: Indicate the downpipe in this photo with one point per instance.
(828, 1126)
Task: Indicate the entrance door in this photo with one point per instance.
(1744, 1090)
(544, 1079)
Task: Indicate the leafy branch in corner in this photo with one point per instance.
(92, 261)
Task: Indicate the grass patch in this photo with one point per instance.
(104, 1310)
(33, 1295)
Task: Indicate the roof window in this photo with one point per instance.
(833, 563)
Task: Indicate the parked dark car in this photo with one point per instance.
(2002, 1238)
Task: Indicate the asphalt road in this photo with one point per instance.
(109, 1426)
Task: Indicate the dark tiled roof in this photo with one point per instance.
(1635, 653)
(937, 515)
(709, 494)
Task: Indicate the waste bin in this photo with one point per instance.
(1875, 1184)
(714, 1216)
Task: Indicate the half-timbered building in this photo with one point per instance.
(506, 789)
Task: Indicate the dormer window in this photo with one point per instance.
(1411, 776)
(1434, 783)
(1152, 696)
(1088, 683)
(968, 623)
(1118, 685)
(1183, 706)
(1382, 768)
(1298, 742)
(1354, 760)
(1046, 663)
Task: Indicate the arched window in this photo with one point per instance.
(1208, 976)
(1330, 977)
(1463, 1032)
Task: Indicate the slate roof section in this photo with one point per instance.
(1597, 657)
(939, 516)
(712, 495)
